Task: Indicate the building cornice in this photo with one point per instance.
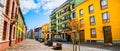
(62, 5)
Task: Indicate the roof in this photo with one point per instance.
(22, 16)
(62, 5)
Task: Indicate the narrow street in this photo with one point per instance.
(53, 25)
(32, 45)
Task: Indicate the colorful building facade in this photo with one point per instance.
(98, 20)
(31, 34)
(59, 17)
(38, 33)
(13, 21)
(8, 24)
(45, 32)
(25, 34)
(21, 27)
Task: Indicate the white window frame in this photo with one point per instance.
(92, 19)
(105, 16)
(93, 31)
(103, 2)
(91, 8)
(81, 12)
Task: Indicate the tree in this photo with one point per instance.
(74, 26)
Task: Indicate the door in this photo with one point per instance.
(10, 35)
(107, 34)
(69, 38)
(81, 36)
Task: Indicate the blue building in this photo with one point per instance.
(38, 33)
(31, 34)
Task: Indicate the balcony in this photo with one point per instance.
(14, 19)
(66, 28)
(65, 12)
(53, 25)
(53, 19)
(65, 20)
(53, 31)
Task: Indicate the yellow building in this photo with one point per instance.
(99, 20)
(20, 26)
(45, 31)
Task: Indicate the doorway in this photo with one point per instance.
(10, 40)
(69, 38)
(107, 34)
(82, 36)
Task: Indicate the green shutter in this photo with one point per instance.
(79, 1)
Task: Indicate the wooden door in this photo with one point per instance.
(107, 34)
(81, 36)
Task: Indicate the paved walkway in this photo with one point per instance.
(32, 45)
(93, 46)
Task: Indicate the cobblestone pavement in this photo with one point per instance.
(32, 45)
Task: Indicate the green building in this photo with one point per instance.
(59, 17)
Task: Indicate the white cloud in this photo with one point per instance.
(27, 5)
(47, 5)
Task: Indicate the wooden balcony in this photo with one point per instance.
(13, 21)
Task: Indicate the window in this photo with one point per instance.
(7, 7)
(93, 33)
(103, 4)
(105, 17)
(14, 33)
(81, 23)
(58, 14)
(74, 14)
(73, 6)
(81, 12)
(16, 13)
(65, 26)
(5, 30)
(12, 14)
(67, 17)
(91, 9)
(92, 20)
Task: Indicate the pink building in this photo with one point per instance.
(9, 25)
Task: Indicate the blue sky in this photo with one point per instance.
(36, 12)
